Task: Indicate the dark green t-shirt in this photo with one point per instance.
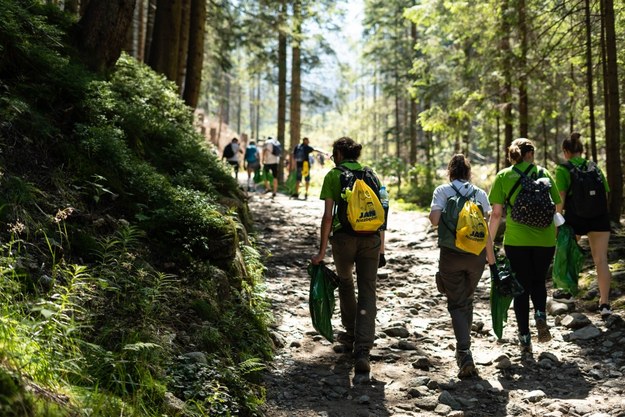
(518, 234)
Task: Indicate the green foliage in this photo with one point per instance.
(117, 214)
(216, 388)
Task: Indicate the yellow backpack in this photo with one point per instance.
(462, 225)
(359, 210)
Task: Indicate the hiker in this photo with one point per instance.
(348, 249)
(590, 217)
(529, 249)
(271, 162)
(459, 271)
(301, 157)
(231, 155)
(251, 161)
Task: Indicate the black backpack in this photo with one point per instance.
(276, 149)
(228, 151)
(347, 179)
(533, 205)
(586, 197)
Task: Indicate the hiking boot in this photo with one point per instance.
(306, 196)
(347, 340)
(466, 366)
(525, 343)
(543, 329)
(361, 360)
(273, 195)
(605, 311)
(561, 295)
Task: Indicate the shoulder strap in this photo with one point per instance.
(518, 182)
(455, 189)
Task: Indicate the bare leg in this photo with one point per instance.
(599, 248)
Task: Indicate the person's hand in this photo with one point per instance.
(382, 261)
(494, 273)
(317, 259)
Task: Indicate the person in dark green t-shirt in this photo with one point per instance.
(357, 313)
(529, 249)
(597, 227)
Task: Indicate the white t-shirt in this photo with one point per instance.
(235, 149)
(270, 158)
(443, 192)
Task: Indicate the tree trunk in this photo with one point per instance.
(183, 49)
(612, 113)
(523, 98)
(282, 45)
(195, 54)
(257, 104)
(589, 92)
(141, 30)
(296, 80)
(101, 32)
(149, 29)
(413, 109)
(166, 38)
(506, 94)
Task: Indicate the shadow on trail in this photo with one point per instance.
(325, 386)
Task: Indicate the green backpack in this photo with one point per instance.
(449, 218)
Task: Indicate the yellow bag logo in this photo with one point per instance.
(364, 210)
(471, 230)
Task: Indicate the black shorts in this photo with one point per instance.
(235, 165)
(273, 168)
(582, 226)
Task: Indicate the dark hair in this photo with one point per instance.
(573, 144)
(518, 149)
(459, 168)
(347, 147)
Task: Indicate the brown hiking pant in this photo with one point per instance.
(357, 314)
(457, 277)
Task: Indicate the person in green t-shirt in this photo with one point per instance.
(357, 314)
(597, 225)
(529, 249)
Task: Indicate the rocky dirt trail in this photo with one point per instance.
(580, 372)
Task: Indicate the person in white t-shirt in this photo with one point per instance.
(459, 272)
(271, 163)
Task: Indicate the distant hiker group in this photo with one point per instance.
(263, 165)
(535, 207)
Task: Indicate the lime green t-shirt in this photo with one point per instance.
(520, 234)
(563, 176)
(331, 187)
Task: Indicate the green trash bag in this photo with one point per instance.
(323, 281)
(503, 289)
(259, 176)
(290, 182)
(568, 261)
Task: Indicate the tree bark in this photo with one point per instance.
(195, 54)
(523, 77)
(101, 32)
(296, 80)
(149, 29)
(612, 113)
(282, 57)
(185, 20)
(166, 38)
(506, 94)
(589, 89)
